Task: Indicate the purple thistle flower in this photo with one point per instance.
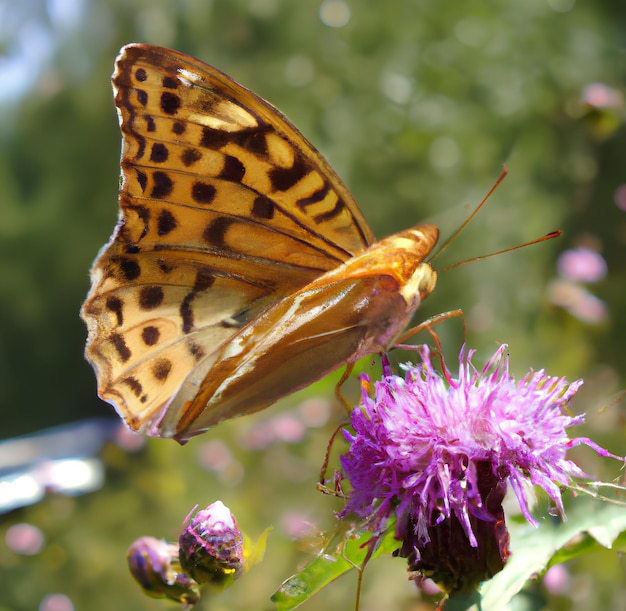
(437, 453)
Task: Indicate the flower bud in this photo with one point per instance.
(211, 546)
(155, 566)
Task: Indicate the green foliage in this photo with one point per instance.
(589, 528)
(346, 551)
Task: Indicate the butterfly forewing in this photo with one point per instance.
(225, 211)
(224, 150)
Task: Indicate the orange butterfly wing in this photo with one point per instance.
(225, 209)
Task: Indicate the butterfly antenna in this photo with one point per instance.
(467, 221)
(548, 236)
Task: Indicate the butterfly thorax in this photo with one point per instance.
(400, 256)
(397, 278)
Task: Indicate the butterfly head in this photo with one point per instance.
(420, 279)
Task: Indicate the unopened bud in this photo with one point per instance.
(211, 546)
(155, 566)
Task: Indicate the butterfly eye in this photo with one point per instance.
(428, 280)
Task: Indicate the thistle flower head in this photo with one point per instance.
(438, 452)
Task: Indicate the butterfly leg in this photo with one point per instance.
(336, 490)
(344, 376)
(427, 326)
(321, 486)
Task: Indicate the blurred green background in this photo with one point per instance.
(417, 105)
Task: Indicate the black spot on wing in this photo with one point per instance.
(335, 211)
(263, 208)
(162, 369)
(119, 343)
(196, 351)
(284, 178)
(170, 103)
(164, 266)
(142, 179)
(257, 143)
(316, 198)
(204, 280)
(134, 384)
(115, 305)
(213, 138)
(166, 222)
(186, 313)
(150, 335)
(162, 186)
(202, 192)
(129, 269)
(150, 297)
(159, 153)
(190, 156)
(215, 232)
(233, 169)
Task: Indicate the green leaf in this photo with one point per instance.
(590, 526)
(255, 550)
(346, 551)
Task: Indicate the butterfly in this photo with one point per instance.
(241, 268)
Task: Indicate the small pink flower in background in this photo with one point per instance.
(437, 454)
(315, 412)
(298, 525)
(578, 301)
(215, 455)
(603, 109)
(582, 264)
(258, 437)
(24, 539)
(620, 197)
(599, 95)
(56, 602)
(557, 580)
(288, 428)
